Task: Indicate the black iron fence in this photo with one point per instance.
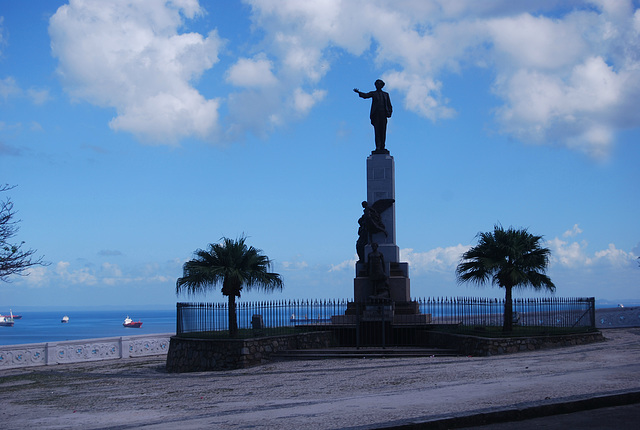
(538, 312)
(462, 313)
(213, 317)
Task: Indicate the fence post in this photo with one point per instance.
(592, 304)
(178, 320)
(382, 309)
(358, 311)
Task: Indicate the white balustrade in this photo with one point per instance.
(74, 351)
(618, 317)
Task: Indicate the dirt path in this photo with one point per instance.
(329, 394)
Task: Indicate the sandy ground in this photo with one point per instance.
(326, 394)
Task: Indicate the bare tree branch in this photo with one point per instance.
(14, 260)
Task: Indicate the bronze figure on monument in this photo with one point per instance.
(381, 109)
(371, 223)
(378, 273)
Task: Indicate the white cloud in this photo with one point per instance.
(36, 276)
(294, 265)
(569, 254)
(438, 259)
(64, 274)
(615, 257)
(303, 102)
(39, 97)
(571, 79)
(9, 87)
(575, 230)
(77, 276)
(574, 255)
(537, 42)
(254, 72)
(422, 94)
(345, 265)
(129, 55)
(435, 260)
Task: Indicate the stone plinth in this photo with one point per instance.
(378, 313)
(398, 289)
(381, 184)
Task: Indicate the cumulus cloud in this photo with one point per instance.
(575, 255)
(575, 230)
(129, 56)
(255, 72)
(569, 77)
(438, 259)
(295, 264)
(303, 102)
(435, 260)
(38, 97)
(8, 88)
(345, 265)
(65, 274)
(76, 276)
(569, 254)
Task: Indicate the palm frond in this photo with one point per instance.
(507, 258)
(230, 263)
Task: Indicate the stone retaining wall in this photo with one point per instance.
(484, 346)
(198, 355)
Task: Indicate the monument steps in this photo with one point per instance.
(364, 352)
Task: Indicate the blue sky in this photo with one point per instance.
(137, 132)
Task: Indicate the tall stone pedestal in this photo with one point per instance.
(381, 185)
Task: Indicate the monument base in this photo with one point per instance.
(399, 289)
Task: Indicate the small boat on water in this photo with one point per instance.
(6, 320)
(128, 322)
(65, 319)
(15, 317)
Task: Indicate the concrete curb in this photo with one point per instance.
(519, 413)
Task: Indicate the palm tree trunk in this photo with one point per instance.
(233, 320)
(507, 324)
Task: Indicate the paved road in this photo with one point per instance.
(323, 394)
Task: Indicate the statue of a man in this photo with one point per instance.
(381, 109)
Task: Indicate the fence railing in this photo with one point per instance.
(530, 312)
(461, 311)
(211, 317)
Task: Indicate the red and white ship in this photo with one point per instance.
(128, 322)
(6, 320)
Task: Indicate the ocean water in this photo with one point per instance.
(46, 326)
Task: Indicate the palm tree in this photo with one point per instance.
(509, 259)
(234, 265)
